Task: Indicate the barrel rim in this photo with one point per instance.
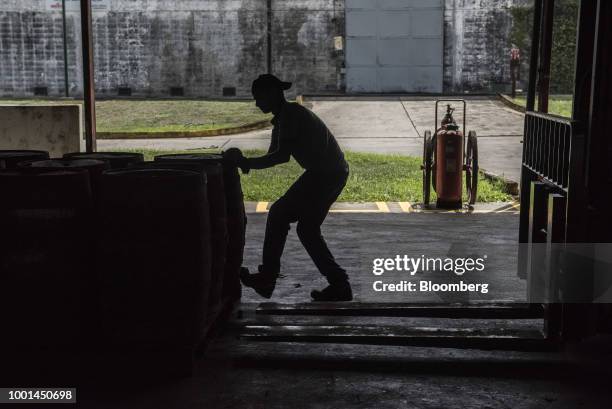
(135, 172)
(189, 157)
(214, 167)
(25, 173)
(102, 155)
(9, 153)
(64, 163)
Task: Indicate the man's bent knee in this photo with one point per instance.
(278, 215)
(307, 230)
(278, 209)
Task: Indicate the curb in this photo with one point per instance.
(512, 207)
(187, 134)
(506, 100)
(510, 186)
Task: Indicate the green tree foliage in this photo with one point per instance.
(564, 47)
(564, 42)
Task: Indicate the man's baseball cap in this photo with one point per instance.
(268, 81)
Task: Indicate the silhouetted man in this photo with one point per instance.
(299, 133)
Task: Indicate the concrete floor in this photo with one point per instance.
(239, 374)
(356, 239)
(383, 125)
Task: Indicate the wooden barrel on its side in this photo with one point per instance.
(218, 222)
(10, 158)
(153, 261)
(116, 160)
(46, 277)
(236, 218)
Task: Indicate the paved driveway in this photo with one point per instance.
(384, 125)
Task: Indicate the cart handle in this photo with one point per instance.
(452, 100)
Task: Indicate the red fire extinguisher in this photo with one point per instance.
(449, 166)
(446, 157)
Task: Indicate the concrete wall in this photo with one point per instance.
(205, 46)
(303, 44)
(151, 46)
(31, 49)
(476, 45)
(52, 128)
(201, 46)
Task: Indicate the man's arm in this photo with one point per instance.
(266, 161)
(234, 156)
(280, 145)
(277, 153)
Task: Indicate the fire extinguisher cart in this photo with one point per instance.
(446, 155)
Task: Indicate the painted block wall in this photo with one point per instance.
(204, 46)
(476, 45)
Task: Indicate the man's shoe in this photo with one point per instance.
(334, 292)
(263, 283)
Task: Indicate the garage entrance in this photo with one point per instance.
(394, 45)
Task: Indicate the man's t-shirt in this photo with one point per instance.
(298, 132)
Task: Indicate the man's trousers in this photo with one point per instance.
(307, 202)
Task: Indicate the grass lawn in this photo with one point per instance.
(557, 104)
(373, 177)
(173, 115)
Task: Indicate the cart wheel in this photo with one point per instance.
(471, 168)
(427, 165)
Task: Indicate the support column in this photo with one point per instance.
(270, 15)
(535, 54)
(65, 46)
(545, 55)
(88, 77)
(584, 61)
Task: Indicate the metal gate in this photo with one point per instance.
(394, 45)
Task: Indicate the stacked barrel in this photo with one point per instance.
(140, 257)
(212, 177)
(45, 251)
(11, 158)
(236, 216)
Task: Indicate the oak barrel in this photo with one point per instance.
(10, 158)
(154, 259)
(46, 277)
(93, 167)
(116, 160)
(236, 217)
(218, 221)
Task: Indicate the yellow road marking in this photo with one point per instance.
(354, 211)
(406, 207)
(262, 207)
(509, 208)
(383, 207)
